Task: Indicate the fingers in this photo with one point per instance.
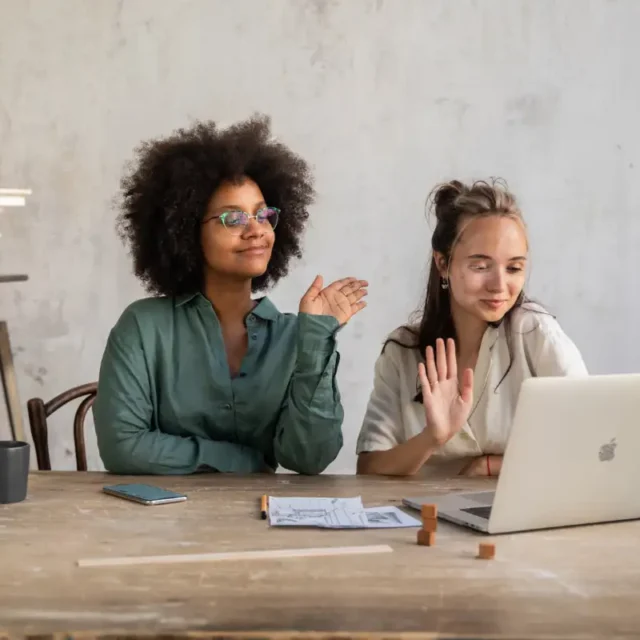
(357, 295)
(316, 287)
(424, 381)
(352, 289)
(432, 372)
(343, 282)
(358, 306)
(443, 366)
(441, 360)
(348, 286)
(452, 365)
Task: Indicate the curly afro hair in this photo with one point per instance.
(165, 193)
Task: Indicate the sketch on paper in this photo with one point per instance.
(389, 518)
(317, 512)
(335, 513)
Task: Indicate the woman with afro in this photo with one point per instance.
(203, 376)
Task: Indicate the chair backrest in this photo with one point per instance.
(39, 411)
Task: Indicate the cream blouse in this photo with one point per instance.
(540, 348)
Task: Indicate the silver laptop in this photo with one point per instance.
(572, 458)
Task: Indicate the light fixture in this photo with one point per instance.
(14, 197)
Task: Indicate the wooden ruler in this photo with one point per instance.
(271, 554)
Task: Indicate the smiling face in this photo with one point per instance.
(487, 270)
(235, 244)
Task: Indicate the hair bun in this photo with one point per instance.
(444, 196)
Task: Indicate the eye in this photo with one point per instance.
(515, 269)
(479, 266)
(268, 214)
(233, 218)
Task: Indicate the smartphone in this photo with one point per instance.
(144, 493)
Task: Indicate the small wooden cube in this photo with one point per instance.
(430, 524)
(426, 538)
(486, 551)
(429, 511)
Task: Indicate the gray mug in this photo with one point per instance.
(14, 471)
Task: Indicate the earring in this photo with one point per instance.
(444, 283)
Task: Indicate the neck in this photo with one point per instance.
(469, 331)
(231, 299)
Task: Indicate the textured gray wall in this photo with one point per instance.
(384, 98)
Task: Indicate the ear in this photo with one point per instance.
(441, 263)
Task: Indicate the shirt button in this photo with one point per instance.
(254, 336)
(226, 406)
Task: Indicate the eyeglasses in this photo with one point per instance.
(237, 221)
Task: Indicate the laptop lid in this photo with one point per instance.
(573, 454)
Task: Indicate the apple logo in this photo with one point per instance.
(608, 451)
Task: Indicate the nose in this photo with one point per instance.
(498, 281)
(253, 229)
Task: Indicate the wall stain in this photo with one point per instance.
(36, 374)
(532, 110)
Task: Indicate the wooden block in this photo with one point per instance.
(429, 511)
(426, 538)
(486, 551)
(430, 524)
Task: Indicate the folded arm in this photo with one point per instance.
(128, 440)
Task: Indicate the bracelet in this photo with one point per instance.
(488, 466)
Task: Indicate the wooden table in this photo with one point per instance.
(581, 582)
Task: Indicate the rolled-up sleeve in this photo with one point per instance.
(382, 424)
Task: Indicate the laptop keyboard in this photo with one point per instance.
(481, 512)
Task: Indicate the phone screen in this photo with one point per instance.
(144, 493)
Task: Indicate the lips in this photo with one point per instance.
(254, 251)
(494, 304)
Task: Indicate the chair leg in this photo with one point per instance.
(10, 385)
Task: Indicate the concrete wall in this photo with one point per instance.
(384, 97)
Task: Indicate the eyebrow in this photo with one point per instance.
(481, 256)
(237, 207)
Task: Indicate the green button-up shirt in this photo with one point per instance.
(167, 403)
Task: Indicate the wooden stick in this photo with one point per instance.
(234, 555)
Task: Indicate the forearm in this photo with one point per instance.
(145, 452)
(128, 445)
(309, 431)
(405, 459)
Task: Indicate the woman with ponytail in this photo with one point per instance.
(446, 387)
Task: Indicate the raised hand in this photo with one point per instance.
(341, 299)
(447, 404)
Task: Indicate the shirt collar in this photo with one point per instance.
(183, 299)
(264, 309)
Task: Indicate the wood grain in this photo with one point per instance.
(582, 582)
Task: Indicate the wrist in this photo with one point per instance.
(428, 441)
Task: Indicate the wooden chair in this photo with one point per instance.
(39, 411)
